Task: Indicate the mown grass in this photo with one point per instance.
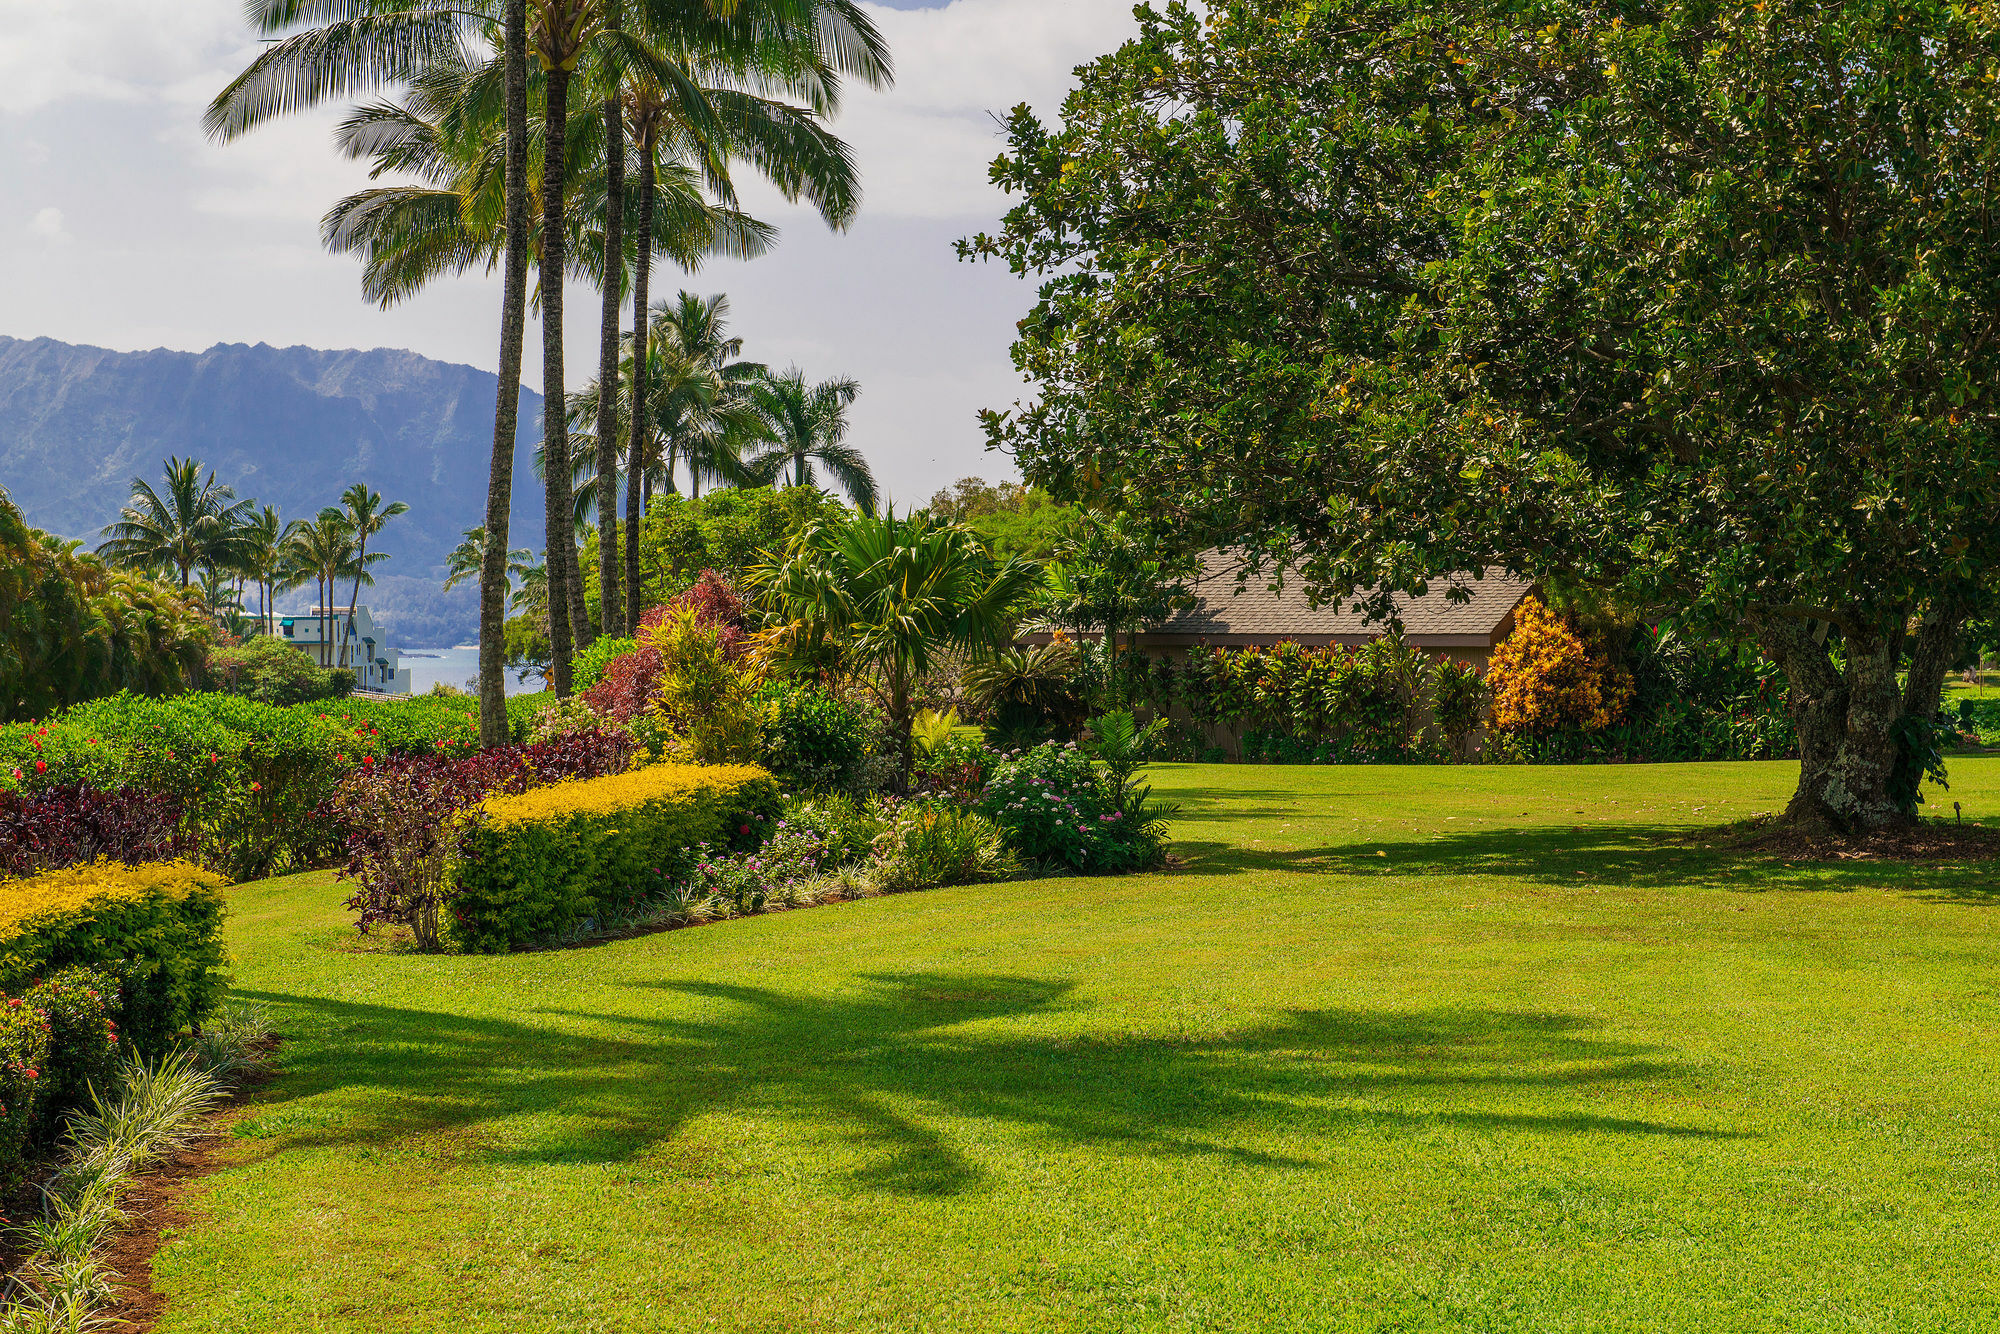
(1400, 1049)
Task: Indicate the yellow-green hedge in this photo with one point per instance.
(539, 862)
(157, 927)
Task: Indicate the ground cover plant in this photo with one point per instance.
(1427, 1049)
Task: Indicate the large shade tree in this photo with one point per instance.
(1693, 304)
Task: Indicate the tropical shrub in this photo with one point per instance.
(399, 820)
(24, 1051)
(1545, 679)
(1057, 810)
(80, 1005)
(72, 629)
(810, 739)
(955, 765)
(1029, 692)
(71, 824)
(587, 667)
(1458, 703)
(706, 697)
(929, 846)
(158, 928)
(537, 863)
(846, 826)
(796, 854)
(271, 671)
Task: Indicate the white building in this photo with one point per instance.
(319, 631)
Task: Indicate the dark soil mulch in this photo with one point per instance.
(1932, 840)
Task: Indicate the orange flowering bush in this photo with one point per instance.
(1544, 678)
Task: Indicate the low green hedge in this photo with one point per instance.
(157, 928)
(543, 861)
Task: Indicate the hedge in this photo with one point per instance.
(540, 862)
(158, 928)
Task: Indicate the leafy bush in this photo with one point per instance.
(796, 854)
(158, 928)
(71, 824)
(1056, 809)
(80, 1005)
(587, 668)
(930, 846)
(706, 693)
(955, 764)
(1029, 692)
(24, 1051)
(1458, 703)
(1545, 679)
(271, 671)
(536, 863)
(1367, 703)
(810, 739)
(402, 834)
(846, 826)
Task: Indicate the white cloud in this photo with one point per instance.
(48, 224)
(122, 50)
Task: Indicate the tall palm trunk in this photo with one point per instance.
(507, 406)
(642, 342)
(559, 514)
(353, 598)
(609, 615)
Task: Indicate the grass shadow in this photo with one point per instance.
(880, 1067)
(1635, 856)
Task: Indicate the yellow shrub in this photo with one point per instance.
(542, 861)
(159, 927)
(1544, 678)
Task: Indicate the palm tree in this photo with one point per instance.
(260, 557)
(796, 47)
(323, 550)
(192, 523)
(884, 595)
(468, 559)
(367, 516)
(808, 425)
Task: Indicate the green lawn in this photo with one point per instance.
(1403, 1049)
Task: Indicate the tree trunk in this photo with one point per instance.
(507, 404)
(642, 337)
(609, 615)
(902, 723)
(353, 598)
(1847, 719)
(559, 513)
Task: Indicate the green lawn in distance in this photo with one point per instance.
(1402, 1049)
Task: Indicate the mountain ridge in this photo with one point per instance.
(291, 427)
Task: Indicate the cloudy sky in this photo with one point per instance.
(123, 228)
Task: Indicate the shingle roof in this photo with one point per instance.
(1224, 611)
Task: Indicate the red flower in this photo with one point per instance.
(256, 787)
(41, 766)
(340, 759)
(17, 773)
(743, 829)
(34, 1074)
(368, 759)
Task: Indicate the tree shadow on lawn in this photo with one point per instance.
(1232, 805)
(880, 1069)
(1635, 856)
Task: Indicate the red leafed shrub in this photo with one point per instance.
(632, 681)
(71, 824)
(400, 825)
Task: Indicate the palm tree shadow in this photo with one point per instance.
(885, 1069)
(1634, 855)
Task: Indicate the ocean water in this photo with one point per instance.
(457, 666)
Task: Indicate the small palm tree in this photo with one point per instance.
(323, 552)
(194, 522)
(883, 596)
(468, 558)
(367, 516)
(808, 426)
(260, 558)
